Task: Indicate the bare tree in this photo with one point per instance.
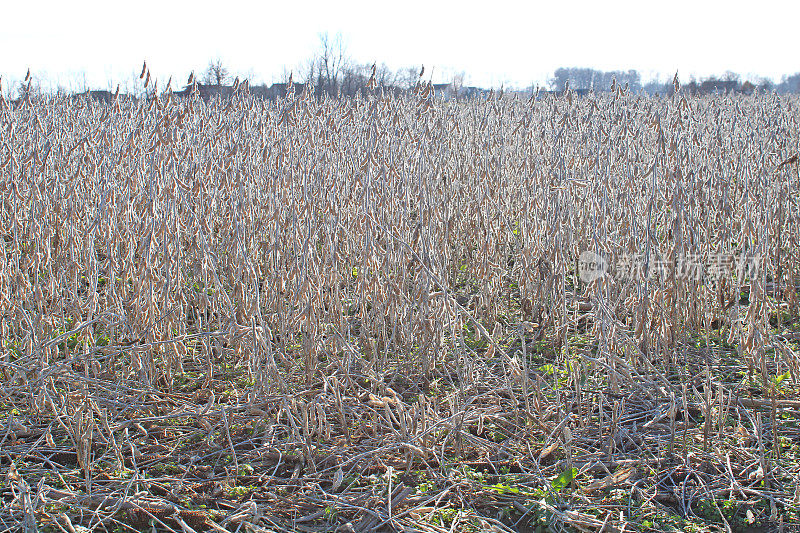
(28, 87)
(308, 72)
(330, 63)
(731, 76)
(458, 83)
(585, 79)
(216, 73)
(384, 76)
(407, 78)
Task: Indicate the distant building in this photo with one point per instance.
(207, 92)
(449, 91)
(106, 97)
(443, 89)
(577, 92)
(280, 90)
(723, 86)
(472, 92)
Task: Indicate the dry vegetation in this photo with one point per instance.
(366, 314)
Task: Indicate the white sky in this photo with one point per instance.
(101, 43)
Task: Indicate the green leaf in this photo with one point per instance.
(502, 488)
(779, 379)
(564, 479)
(547, 369)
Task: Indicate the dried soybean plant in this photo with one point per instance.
(304, 311)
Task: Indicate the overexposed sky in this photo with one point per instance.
(102, 43)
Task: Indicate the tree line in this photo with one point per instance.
(588, 79)
(330, 71)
